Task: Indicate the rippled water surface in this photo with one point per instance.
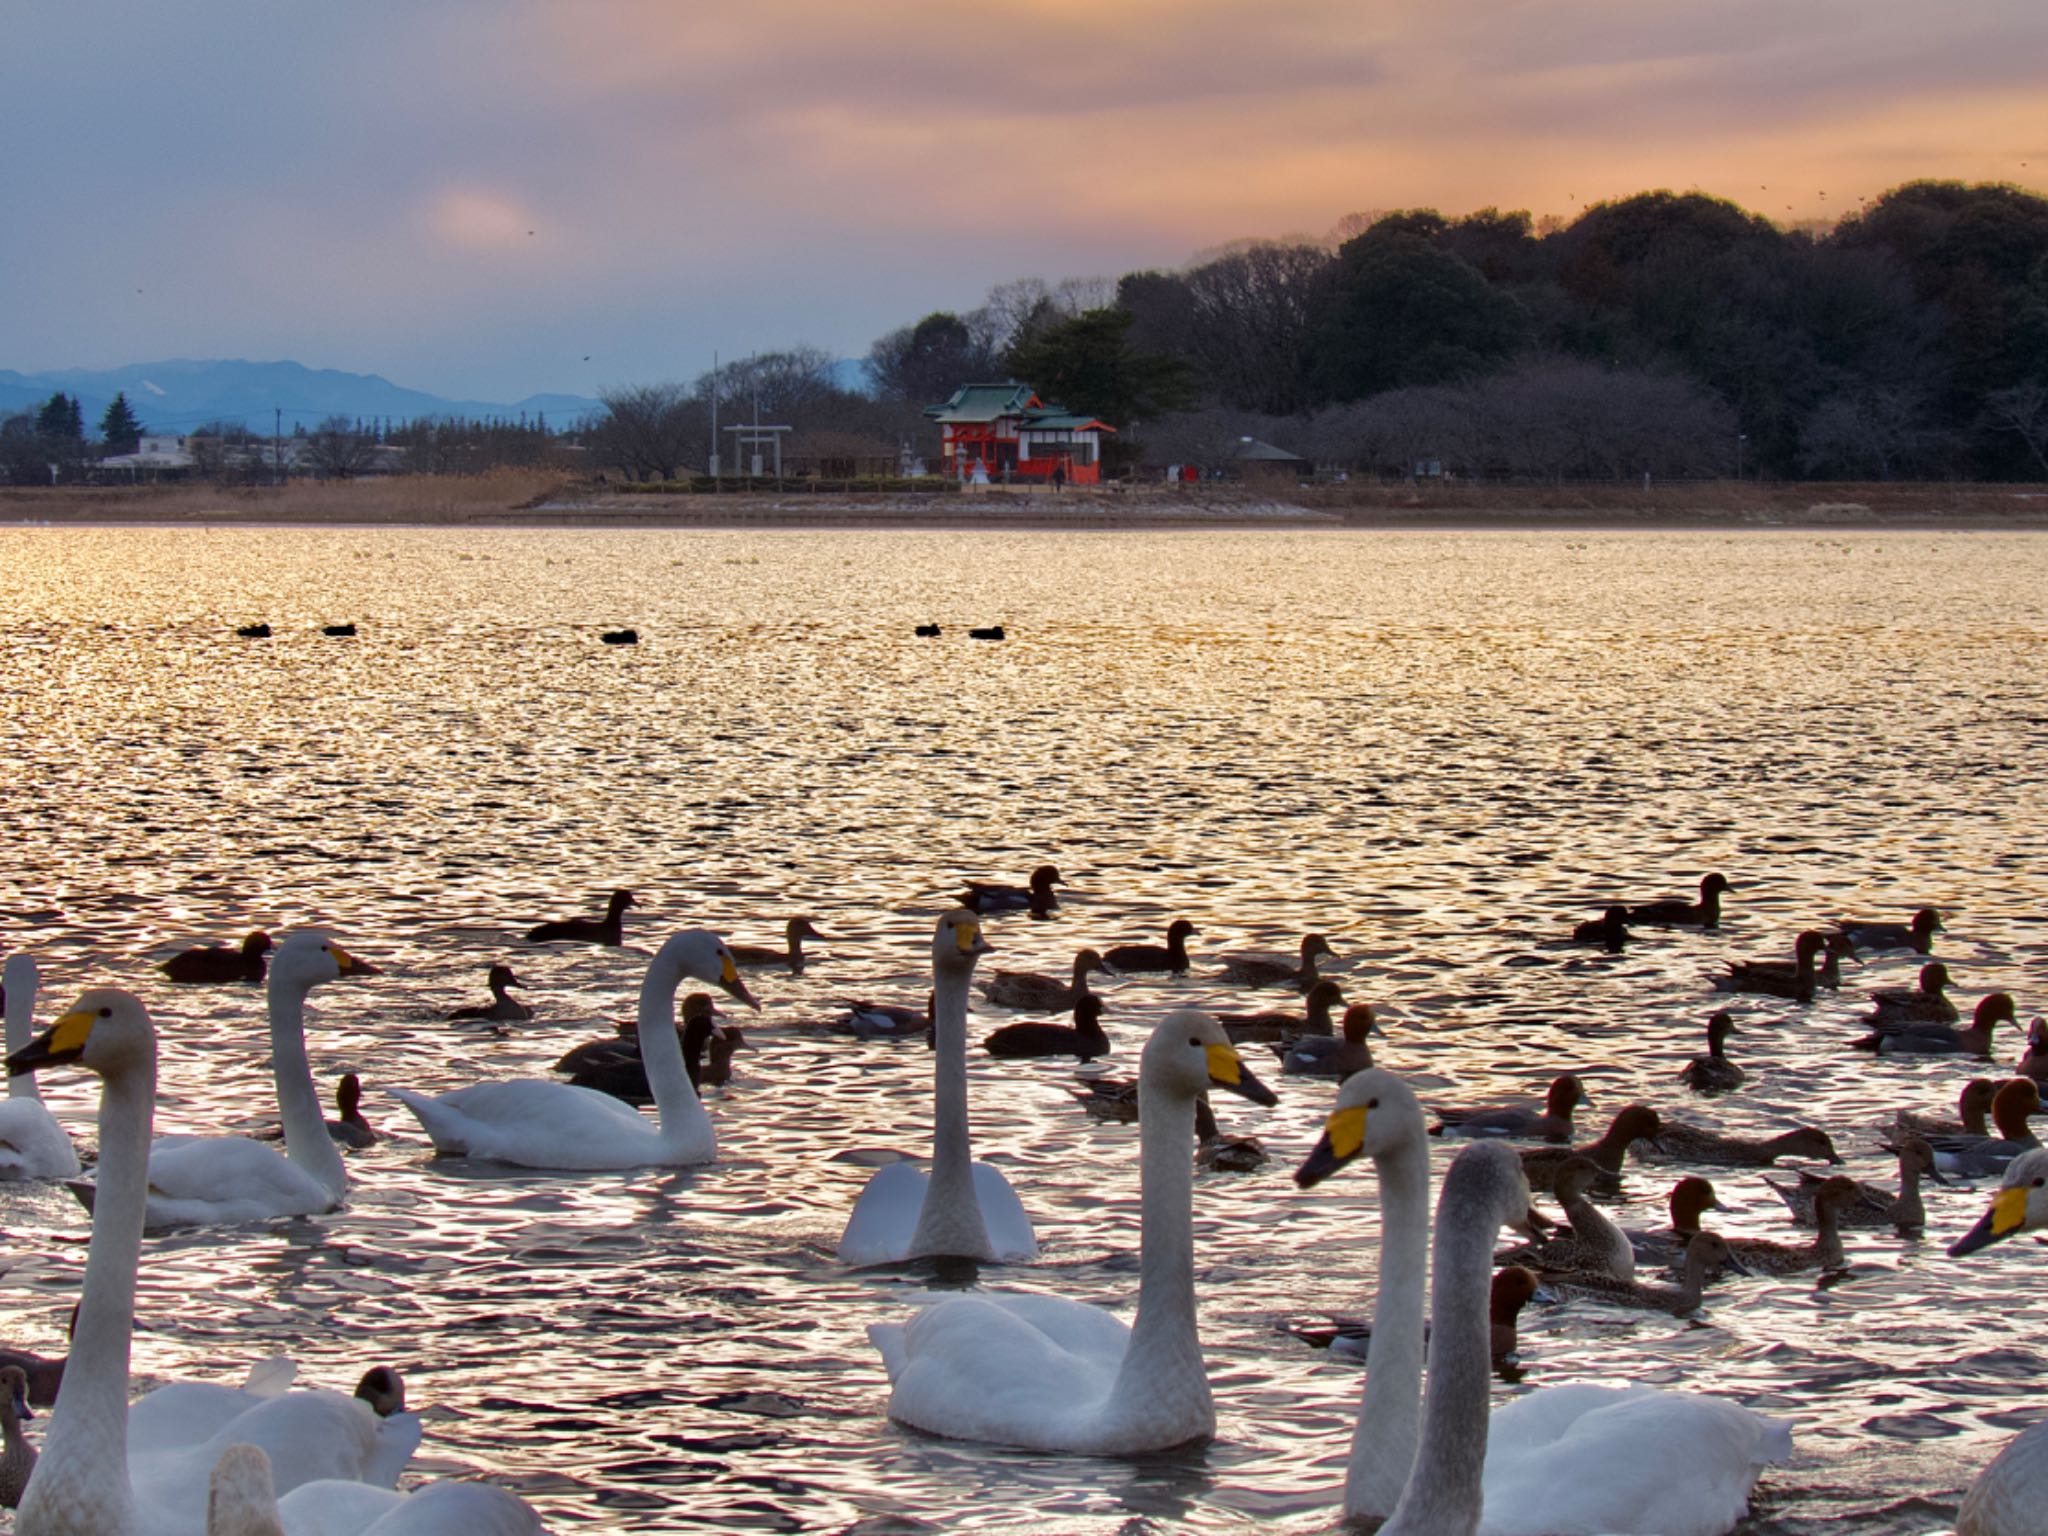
(1439, 750)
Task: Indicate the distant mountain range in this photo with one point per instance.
(180, 394)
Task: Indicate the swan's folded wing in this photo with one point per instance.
(536, 1123)
(32, 1144)
(228, 1178)
(885, 1217)
(459, 1509)
(184, 1413)
(335, 1507)
(1002, 1213)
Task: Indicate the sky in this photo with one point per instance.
(492, 198)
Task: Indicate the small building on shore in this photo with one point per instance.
(1014, 435)
(1258, 463)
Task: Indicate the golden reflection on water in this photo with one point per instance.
(1438, 750)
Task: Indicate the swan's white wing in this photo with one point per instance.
(1009, 1229)
(2009, 1495)
(459, 1509)
(885, 1216)
(197, 1179)
(184, 1414)
(538, 1124)
(1596, 1461)
(306, 1435)
(32, 1144)
(333, 1507)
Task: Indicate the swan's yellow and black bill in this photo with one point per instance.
(351, 965)
(63, 1041)
(967, 936)
(1227, 1070)
(1342, 1139)
(2008, 1214)
(729, 979)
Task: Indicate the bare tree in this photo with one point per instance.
(650, 431)
(337, 449)
(2022, 409)
(1252, 313)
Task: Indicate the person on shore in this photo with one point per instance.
(1059, 478)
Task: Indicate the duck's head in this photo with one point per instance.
(1917, 1154)
(1837, 1192)
(1808, 1141)
(1189, 1055)
(1575, 1175)
(256, 945)
(14, 1390)
(802, 928)
(2012, 1104)
(348, 1095)
(1513, 1288)
(1566, 1094)
(1719, 1028)
(1692, 1198)
(1045, 877)
(1927, 923)
(1710, 1253)
(1809, 945)
(1975, 1099)
(307, 957)
(1933, 977)
(1375, 1114)
(958, 942)
(619, 902)
(501, 977)
(697, 1005)
(1360, 1021)
(1315, 944)
(383, 1389)
(702, 955)
(1714, 885)
(105, 1031)
(1635, 1122)
(1325, 994)
(1088, 1011)
(1180, 930)
(1091, 960)
(1995, 1008)
(2021, 1205)
(1840, 947)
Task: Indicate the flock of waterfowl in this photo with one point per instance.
(1009, 1367)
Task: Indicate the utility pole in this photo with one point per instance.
(715, 439)
(277, 446)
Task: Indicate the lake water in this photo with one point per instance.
(1437, 749)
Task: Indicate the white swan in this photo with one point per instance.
(962, 1209)
(539, 1124)
(244, 1503)
(87, 1481)
(32, 1144)
(2009, 1495)
(1564, 1461)
(196, 1180)
(1050, 1374)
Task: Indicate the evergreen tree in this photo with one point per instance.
(61, 418)
(120, 427)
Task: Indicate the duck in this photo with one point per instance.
(1795, 979)
(94, 1475)
(1513, 1288)
(1926, 1003)
(1027, 989)
(616, 1067)
(608, 1050)
(1084, 1038)
(1677, 912)
(1171, 956)
(1976, 1156)
(1108, 1098)
(1046, 1373)
(795, 931)
(1571, 1458)
(619, 637)
(1918, 935)
(536, 1123)
(1714, 1072)
(1225, 1154)
(2034, 1063)
(501, 1007)
(876, 1021)
(2007, 1497)
(927, 631)
(351, 1130)
(33, 1145)
(211, 963)
(1766, 1256)
(1973, 1104)
(1635, 1122)
(1263, 971)
(988, 632)
(1275, 1025)
(1609, 930)
(338, 631)
(1706, 1255)
(1944, 1039)
(1552, 1123)
(1035, 896)
(1696, 1144)
(1595, 1244)
(1833, 953)
(1874, 1205)
(17, 1456)
(1331, 1055)
(961, 1209)
(593, 930)
(257, 631)
(1690, 1199)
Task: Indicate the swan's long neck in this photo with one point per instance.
(1390, 1415)
(1443, 1496)
(1163, 1363)
(683, 1117)
(21, 1021)
(306, 1141)
(949, 1223)
(81, 1482)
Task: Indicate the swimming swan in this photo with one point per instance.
(87, 1481)
(1564, 1461)
(961, 1209)
(1049, 1374)
(539, 1124)
(245, 1503)
(32, 1144)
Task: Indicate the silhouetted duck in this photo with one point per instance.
(1084, 1038)
(1916, 935)
(351, 1130)
(1594, 1244)
(1714, 1072)
(1279, 1025)
(1512, 1289)
(1264, 971)
(1677, 912)
(993, 632)
(500, 1007)
(1928, 1003)
(254, 631)
(216, 963)
(2034, 1063)
(622, 1073)
(1778, 978)
(1697, 1144)
(1109, 1098)
(1226, 1154)
(928, 631)
(1553, 1122)
(1037, 897)
(1767, 1256)
(1635, 1122)
(620, 637)
(626, 1042)
(1609, 930)
(1911, 1039)
(874, 1021)
(1028, 989)
(1973, 1157)
(1171, 956)
(1705, 1256)
(795, 931)
(1690, 1199)
(1837, 949)
(1329, 1055)
(1874, 1205)
(591, 930)
(1973, 1105)
(339, 631)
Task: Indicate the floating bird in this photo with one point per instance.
(501, 1007)
(1794, 979)
(1766, 1256)
(1551, 1123)
(1916, 935)
(1171, 956)
(927, 631)
(1635, 1122)
(1328, 1055)
(1697, 1144)
(216, 963)
(1225, 1154)
(594, 930)
(1944, 1039)
(1976, 1156)
(1927, 1003)
(1512, 1289)
(1706, 1255)
(1263, 971)
(794, 932)
(1279, 1026)
(1036, 897)
(1690, 1199)
(1595, 1244)
(620, 637)
(1714, 1072)
(1027, 989)
(1874, 1205)
(1084, 1038)
(254, 632)
(993, 632)
(1677, 912)
(339, 631)
(1973, 1104)
(1610, 930)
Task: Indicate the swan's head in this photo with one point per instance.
(308, 957)
(2021, 1205)
(1376, 1113)
(702, 955)
(1189, 1054)
(383, 1389)
(241, 1500)
(105, 1031)
(14, 1391)
(958, 942)
(1485, 1184)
